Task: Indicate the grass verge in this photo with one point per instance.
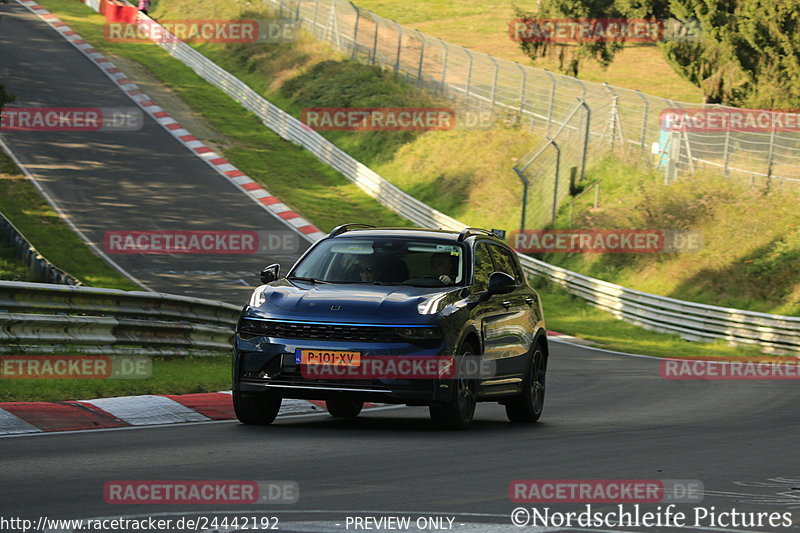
(22, 204)
(177, 375)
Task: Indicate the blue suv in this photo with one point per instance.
(364, 295)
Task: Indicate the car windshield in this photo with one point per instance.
(384, 261)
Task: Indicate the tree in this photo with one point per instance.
(571, 55)
(748, 53)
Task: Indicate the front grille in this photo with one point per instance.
(339, 332)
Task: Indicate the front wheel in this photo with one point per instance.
(457, 413)
(256, 409)
(342, 408)
(527, 407)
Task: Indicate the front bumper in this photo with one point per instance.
(268, 364)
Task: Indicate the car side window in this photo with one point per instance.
(483, 266)
(504, 262)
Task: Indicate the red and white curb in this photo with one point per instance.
(563, 337)
(255, 191)
(17, 418)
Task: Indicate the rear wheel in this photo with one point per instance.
(527, 407)
(257, 409)
(457, 413)
(343, 408)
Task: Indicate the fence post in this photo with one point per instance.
(613, 118)
(314, 23)
(522, 88)
(444, 63)
(552, 99)
(644, 121)
(494, 79)
(355, 30)
(585, 138)
(421, 58)
(399, 45)
(726, 153)
(375, 42)
(524, 180)
(555, 185)
(469, 75)
(771, 151)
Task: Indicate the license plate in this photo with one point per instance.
(327, 357)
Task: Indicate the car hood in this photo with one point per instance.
(342, 301)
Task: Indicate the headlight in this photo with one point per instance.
(421, 333)
(432, 306)
(258, 297)
(253, 327)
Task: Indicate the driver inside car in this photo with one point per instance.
(441, 267)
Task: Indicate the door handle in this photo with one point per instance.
(529, 300)
(506, 304)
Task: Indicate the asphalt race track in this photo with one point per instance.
(127, 180)
(607, 416)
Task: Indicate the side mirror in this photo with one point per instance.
(500, 283)
(270, 273)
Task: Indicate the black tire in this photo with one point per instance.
(527, 407)
(344, 408)
(457, 413)
(256, 409)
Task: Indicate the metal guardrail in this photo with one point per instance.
(44, 318)
(772, 333)
(36, 262)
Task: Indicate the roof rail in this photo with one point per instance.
(467, 232)
(338, 230)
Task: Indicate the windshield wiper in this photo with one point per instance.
(309, 280)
